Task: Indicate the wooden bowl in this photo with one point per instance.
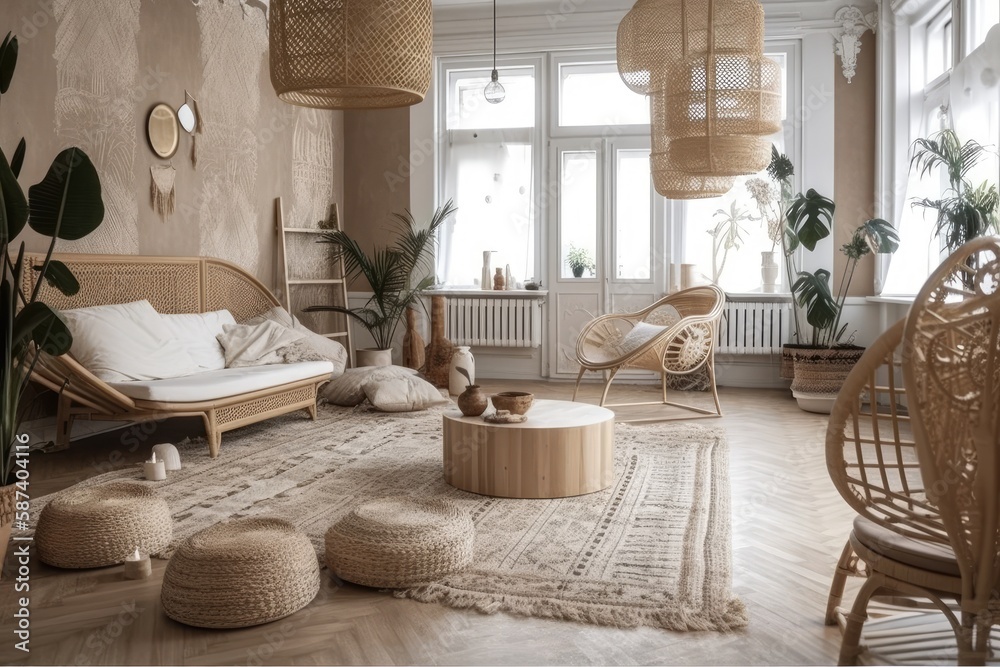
(518, 402)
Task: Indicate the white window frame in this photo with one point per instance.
(539, 140)
(792, 127)
(905, 96)
(556, 61)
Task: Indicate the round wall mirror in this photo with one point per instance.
(164, 136)
(187, 119)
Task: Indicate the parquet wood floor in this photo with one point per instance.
(789, 526)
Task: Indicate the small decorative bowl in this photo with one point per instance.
(517, 402)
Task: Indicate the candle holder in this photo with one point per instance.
(154, 470)
(138, 566)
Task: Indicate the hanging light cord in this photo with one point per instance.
(494, 34)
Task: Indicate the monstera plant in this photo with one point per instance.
(808, 219)
(65, 204)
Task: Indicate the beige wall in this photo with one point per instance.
(854, 190)
(376, 175)
(89, 72)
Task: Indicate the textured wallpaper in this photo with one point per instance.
(97, 61)
(90, 71)
(233, 44)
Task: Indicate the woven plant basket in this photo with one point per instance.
(240, 573)
(823, 370)
(399, 542)
(351, 54)
(99, 526)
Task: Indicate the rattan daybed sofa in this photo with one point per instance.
(172, 285)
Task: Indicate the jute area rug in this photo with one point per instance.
(653, 549)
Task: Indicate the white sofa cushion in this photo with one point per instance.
(126, 341)
(214, 385)
(196, 333)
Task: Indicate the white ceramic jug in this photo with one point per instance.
(456, 381)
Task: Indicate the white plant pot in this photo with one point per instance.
(373, 357)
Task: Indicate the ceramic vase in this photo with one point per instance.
(486, 280)
(462, 358)
(768, 271)
(438, 352)
(473, 402)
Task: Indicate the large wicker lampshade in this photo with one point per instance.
(351, 54)
(673, 183)
(656, 34)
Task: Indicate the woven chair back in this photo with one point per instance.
(951, 358)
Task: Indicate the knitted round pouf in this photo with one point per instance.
(98, 526)
(399, 542)
(240, 573)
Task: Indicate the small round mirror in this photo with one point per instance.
(162, 131)
(187, 119)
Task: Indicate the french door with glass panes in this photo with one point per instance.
(604, 205)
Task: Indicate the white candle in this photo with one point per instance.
(137, 566)
(154, 470)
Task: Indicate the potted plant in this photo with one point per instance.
(964, 211)
(820, 362)
(580, 260)
(398, 275)
(66, 204)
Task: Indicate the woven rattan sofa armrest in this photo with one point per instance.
(67, 376)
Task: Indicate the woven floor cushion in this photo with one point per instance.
(399, 542)
(240, 573)
(98, 526)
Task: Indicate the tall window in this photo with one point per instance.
(725, 236)
(936, 37)
(489, 158)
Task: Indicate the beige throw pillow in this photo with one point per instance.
(348, 389)
(402, 394)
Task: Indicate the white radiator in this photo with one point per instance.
(754, 327)
(496, 322)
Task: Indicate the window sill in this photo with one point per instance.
(487, 293)
(893, 299)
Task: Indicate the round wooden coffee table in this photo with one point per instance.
(564, 449)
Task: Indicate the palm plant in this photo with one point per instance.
(397, 274)
(964, 211)
(66, 204)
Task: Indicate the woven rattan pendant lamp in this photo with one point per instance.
(656, 34)
(351, 54)
(713, 95)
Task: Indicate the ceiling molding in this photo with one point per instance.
(552, 25)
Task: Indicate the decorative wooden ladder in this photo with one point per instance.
(337, 282)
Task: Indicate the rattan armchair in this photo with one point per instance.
(675, 336)
(919, 464)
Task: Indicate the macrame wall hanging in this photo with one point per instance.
(713, 95)
(161, 189)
